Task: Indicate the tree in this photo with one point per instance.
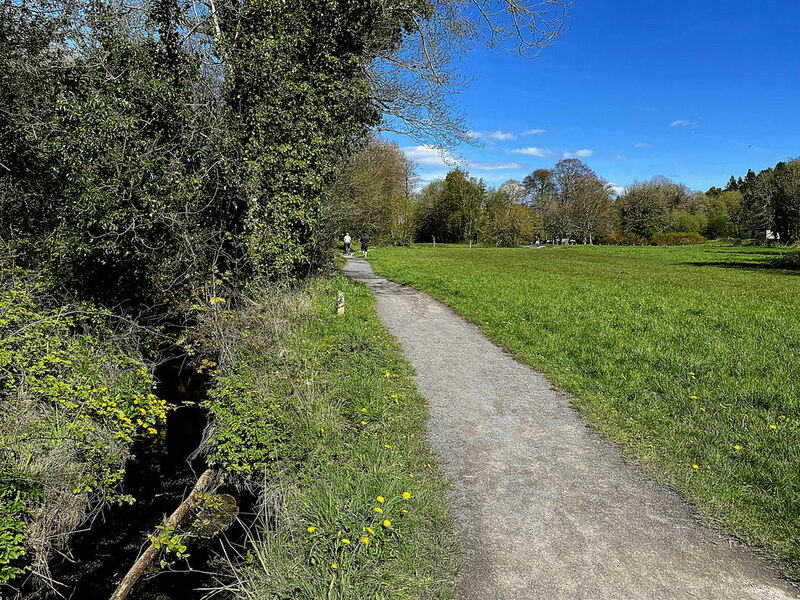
(451, 210)
(374, 194)
(508, 221)
(571, 200)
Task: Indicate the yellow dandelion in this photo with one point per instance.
(411, 475)
(693, 397)
(387, 523)
(695, 467)
(406, 495)
(380, 499)
(378, 509)
(773, 427)
(311, 529)
(387, 446)
(345, 541)
(690, 373)
(363, 422)
(363, 410)
(334, 566)
(370, 530)
(365, 540)
(405, 512)
(737, 447)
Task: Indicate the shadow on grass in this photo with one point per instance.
(747, 266)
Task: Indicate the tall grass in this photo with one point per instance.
(353, 504)
(689, 357)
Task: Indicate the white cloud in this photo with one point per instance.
(579, 153)
(643, 145)
(533, 151)
(534, 132)
(430, 156)
(684, 123)
(495, 136)
(493, 166)
(617, 189)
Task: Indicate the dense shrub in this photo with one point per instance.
(790, 260)
(677, 239)
(73, 396)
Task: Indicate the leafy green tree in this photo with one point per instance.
(508, 221)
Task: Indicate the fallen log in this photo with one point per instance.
(127, 583)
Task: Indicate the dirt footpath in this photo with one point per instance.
(547, 509)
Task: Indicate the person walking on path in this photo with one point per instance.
(347, 240)
(364, 244)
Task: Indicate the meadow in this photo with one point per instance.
(689, 357)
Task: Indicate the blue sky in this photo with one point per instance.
(695, 91)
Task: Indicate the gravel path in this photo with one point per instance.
(547, 509)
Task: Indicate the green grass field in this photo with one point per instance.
(688, 356)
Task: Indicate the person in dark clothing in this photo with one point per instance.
(364, 244)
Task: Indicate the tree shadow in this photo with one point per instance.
(765, 259)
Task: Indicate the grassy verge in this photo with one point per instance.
(321, 411)
(688, 356)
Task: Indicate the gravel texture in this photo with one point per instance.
(547, 509)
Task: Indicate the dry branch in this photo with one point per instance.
(147, 557)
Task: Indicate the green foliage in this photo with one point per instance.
(451, 211)
(789, 260)
(685, 355)
(350, 440)
(72, 399)
(684, 238)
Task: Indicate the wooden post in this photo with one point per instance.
(127, 583)
(339, 303)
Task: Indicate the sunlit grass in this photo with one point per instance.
(358, 507)
(689, 357)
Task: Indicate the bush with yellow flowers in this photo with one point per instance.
(74, 394)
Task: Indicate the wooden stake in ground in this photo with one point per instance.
(340, 303)
(124, 588)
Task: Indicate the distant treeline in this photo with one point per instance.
(567, 202)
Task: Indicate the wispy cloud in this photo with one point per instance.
(533, 151)
(534, 132)
(493, 166)
(643, 145)
(494, 136)
(579, 153)
(684, 123)
(430, 156)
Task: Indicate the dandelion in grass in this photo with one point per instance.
(345, 541)
(695, 467)
(693, 397)
(773, 426)
(387, 446)
(405, 512)
(380, 499)
(406, 495)
(363, 422)
(371, 530)
(411, 475)
(737, 447)
(311, 529)
(365, 540)
(378, 510)
(334, 566)
(387, 523)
